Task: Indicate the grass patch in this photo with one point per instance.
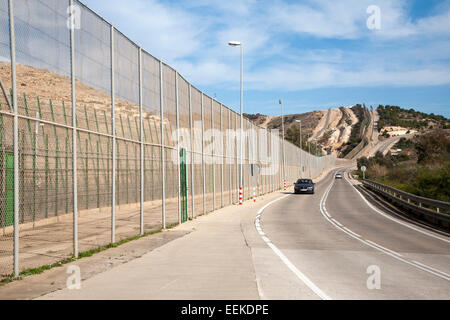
(81, 255)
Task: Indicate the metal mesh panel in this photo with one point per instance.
(45, 194)
(151, 99)
(152, 188)
(4, 33)
(235, 157)
(185, 139)
(93, 101)
(93, 72)
(94, 182)
(263, 151)
(217, 151)
(44, 92)
(251, 157)
(6, 193)
(127, 189)
(43, 58)
(171, 156)
(183, 111)
(225, 160)
(169, 101)
(126, 84)
(209, 168)
(196, 109)
(245, 162)
(171, 183)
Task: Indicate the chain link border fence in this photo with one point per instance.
(103, 160)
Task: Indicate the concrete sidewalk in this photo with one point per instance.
(212, 261)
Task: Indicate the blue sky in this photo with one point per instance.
(312, 54)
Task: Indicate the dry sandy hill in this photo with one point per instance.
(338, 130)
(331, 128)
(309, 121)
(40, 86)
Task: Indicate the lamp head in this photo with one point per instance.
(234, 43)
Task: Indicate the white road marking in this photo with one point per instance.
(383, 248)
(396, 220)
(260, 290)
(391, 253)
(352, 232)
(423, 265)
(285, 260)
(337, 222)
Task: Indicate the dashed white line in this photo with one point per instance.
(389, 252)
(285, 260)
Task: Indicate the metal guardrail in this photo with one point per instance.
(414, 204)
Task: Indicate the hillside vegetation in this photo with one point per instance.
(421, 168)
(396, 116)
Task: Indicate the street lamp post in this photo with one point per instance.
(241, 174)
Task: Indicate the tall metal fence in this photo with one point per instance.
(100, 141)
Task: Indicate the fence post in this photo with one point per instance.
(163, 165)
(269, 154)
(141, 139)
(229, 160)
(237, 155)
(114, 142)
(213, 151)
(222, 159)
(178, 145)
(192, 152)
(203, 160)
(12, 40)
(74, 138)
(249, 160)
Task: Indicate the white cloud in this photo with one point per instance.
(166, 31)
(233, 7)
(435, 25)
(193, 38)
(209, 72)
(302, 77)
(328, 19)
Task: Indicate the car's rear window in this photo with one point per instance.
(304, 181)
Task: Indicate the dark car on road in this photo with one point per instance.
(304, 186)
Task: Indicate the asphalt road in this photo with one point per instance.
(331, 240)
(386, 145)
(330, 245)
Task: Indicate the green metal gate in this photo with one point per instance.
(9, 189)
(183, 186)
